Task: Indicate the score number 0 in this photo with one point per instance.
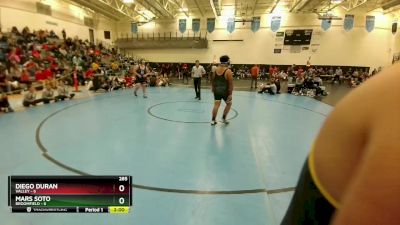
(121, 188)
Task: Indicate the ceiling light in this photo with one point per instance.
(183, 9)
(128, 1)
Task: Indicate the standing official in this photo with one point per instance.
(197, 72)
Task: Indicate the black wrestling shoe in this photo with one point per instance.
(213, 123)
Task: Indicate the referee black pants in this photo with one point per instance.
(197, 86)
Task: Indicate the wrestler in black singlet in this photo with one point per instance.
(141, 79)
(221, 86)
(311, 203)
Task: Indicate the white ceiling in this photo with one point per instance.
(169, 9)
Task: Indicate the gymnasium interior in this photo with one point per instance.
(304, 57)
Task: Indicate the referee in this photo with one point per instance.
(197, 72)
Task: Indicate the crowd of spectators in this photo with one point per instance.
(308, 80)
(40, 60)
(351, 76)
(303, 80)
(32, 61)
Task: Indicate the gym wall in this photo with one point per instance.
(356, 47)
(66, 16)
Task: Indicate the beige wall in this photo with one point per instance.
(336, 46)
(21, 13)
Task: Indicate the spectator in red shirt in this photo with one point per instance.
(255, 71)
(276, 70)
(39, 76)
(13, 57)
(300, 71)
(49, 57)
(45, 47)
(89, 73)
(48, 73)
(19, 53)
(25, 78)
(54, 67)
(270, 71)
(36, 54)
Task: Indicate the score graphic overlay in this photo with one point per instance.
(70, 194)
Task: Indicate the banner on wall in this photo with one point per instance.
(326, 24)
(348, 22)
(196, 25)
(231, 25)
(255, 24)
(394, 27)
(370, 23)
(210, 25)
(275, 23)
(182, 25)
(134, 28)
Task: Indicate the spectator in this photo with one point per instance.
(30, 98)
(213, 69)
(185, 70)
(255, 72)
(39, 76)
(4, 104)
(300, 72)
(179, 71)
(116, 83)
(299, 84)
(4, 83)
(64, 34)
(13, 57)
(356, 74)
(330, 71)
(271, 71)
(30, 66)
(35, 52)
(50, 80)
(318, 80)
(89, 73)
(47, 94)
(291, 70)
(63, 92)
(277, 82)
(15, 72)
(153, 81)
(2, 55)
(338, 74)
(270, 88)
(25, 78)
